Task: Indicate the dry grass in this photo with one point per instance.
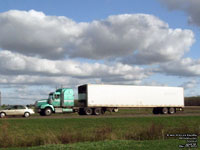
(158, 131)
(153, 132)
(90, 130)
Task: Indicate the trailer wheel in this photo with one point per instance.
(164, 110)
(48, 111)
(88, 111)
(156, 111)
(97, 111)
(172, 110)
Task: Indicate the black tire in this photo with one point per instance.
(26, 114)
(97, 111)
(156, 111)
(48, 111)
(88, 111)
(164, 110)
(81, 112)
(172, 110)
(42, 113)
(2, 115)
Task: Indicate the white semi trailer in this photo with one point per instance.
(97, 98)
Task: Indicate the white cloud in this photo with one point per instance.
(26, 66)
(34, 33)
(24, 94)
(189, 84)
(191, 7)
(184, 67)
(32, 80)
(153, 83)
(37, 51)
(131, 38)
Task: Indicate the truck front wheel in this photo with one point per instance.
(48, 111)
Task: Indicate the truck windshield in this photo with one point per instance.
(50, 96)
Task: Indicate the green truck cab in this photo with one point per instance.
(60, 101)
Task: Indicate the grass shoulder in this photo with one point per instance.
(171, 144)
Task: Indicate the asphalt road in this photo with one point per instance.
(65, 116)
(188, 111)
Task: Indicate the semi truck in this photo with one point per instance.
(96, 99)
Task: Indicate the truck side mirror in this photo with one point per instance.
(50, 101)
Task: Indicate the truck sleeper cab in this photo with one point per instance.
(60, 101)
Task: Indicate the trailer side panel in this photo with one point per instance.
(133, 96)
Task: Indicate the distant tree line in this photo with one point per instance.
(192, 101)
(30, 105)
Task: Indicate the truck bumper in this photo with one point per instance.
(38, 110)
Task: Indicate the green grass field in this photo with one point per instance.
(114, 144)
(88, 132)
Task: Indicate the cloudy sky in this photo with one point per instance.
(47, 44)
